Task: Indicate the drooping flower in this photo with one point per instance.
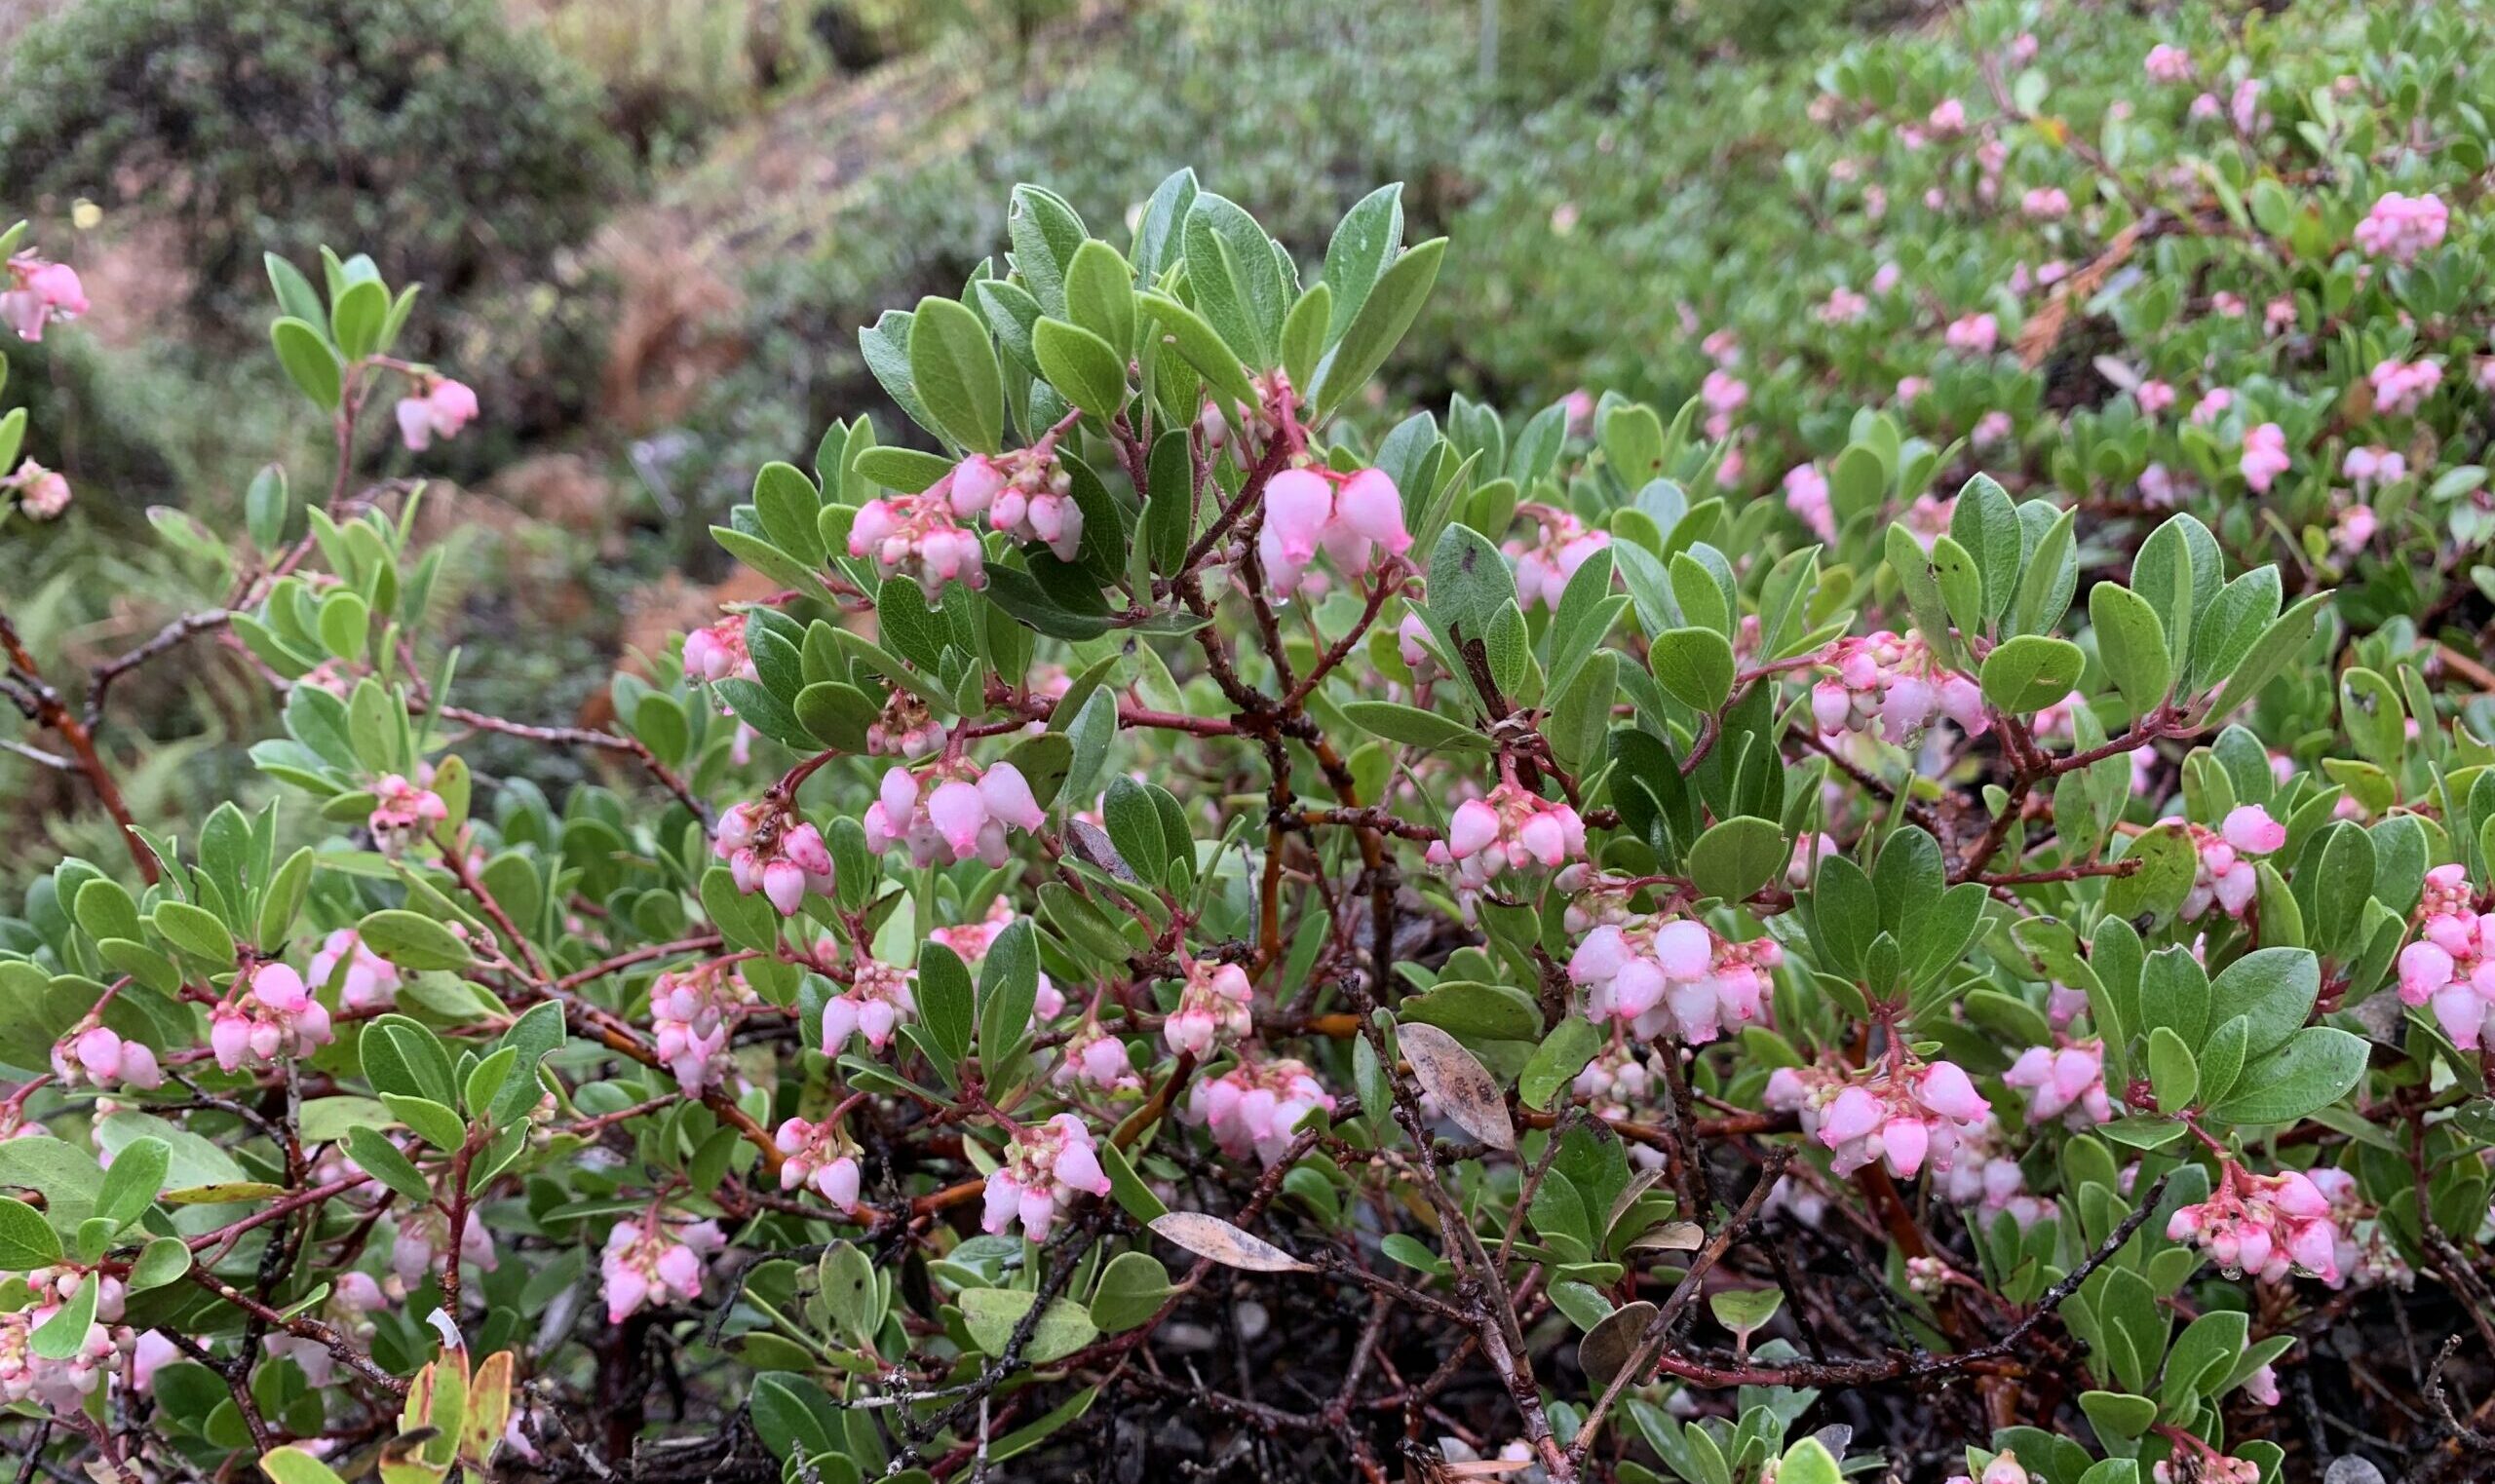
(1350, 517)
(2401, 386)
(2450, 967)
(872, 1003)
(817, 1156)
(1512, 828)
(423, 1239)
(1212, 1007)
(2225, 877)
(1903, 1116)
(41, 493)
(970, 943)
(2045, 204)
(101, 1056)
(772, 849)
(1046, 1166)
(401, 810)
(370, 981)
(650, 1261)
(40, 292)
(956, 812)
(1254, 1105)
(2265, 456)
(1897, 683)
(2068, 1083)
(439, 408)
(1560, 546)
(266, 1013)
(692, 1011)
(2264, 1225)
(1974, 334)
(1806, 495)
(2168, 64)
(717, 652)
(1659, 975)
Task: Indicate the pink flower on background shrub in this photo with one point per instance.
(2265, 456)
(1973, 334)
(2068, 1083)
(401, 810)
(1895, 683)
(1562, 545)
(871, 1005)
(2168, 64)
(2403, 228)
(1212, 1008)
(1806, 495)
(774, 850)
(101, 1057)
(1253, 1107)
(2264, 1225)
(2225, 876)
(1904, 1118)
(2450, 967)
(691, 1014)
(816, 1157)
(717, 652)
(2403, 386)
(41, 493)
(369, 981)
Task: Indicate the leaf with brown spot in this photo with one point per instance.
(1462, 1086)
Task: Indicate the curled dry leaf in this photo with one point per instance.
(1671, 1237)
(1213, 1237)
(1607, 1347)
(1461, 1085)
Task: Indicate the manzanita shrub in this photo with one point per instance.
(1188, 930)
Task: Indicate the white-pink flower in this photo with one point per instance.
(2225, 876)
(1253, 1107)
(1560, 546)
(267, 1012)
(872, 1003)
(1974, 334)
(1806, 495)
(1351, 518)
(648, 1262)
(101, 1056)
(1897, 683)
(440, 410)
(1672, 976)
(1214, 1008)
(1512, 828)
(971, 941)
(2450, 967)
(2368, 467)
(2045, 204)
(2264, 1225)
(1905, 1116)
(41, 493)
(2168, 64)
(2068, 1083)
(366, 979)
(816, 1155)
(717, 652)
(2403, 386)
(771, 849)
(40, 292)
(956, 812)
(692, 1011)
(1046, 1166)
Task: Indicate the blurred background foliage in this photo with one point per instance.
(650, 229)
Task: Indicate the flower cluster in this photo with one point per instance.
(1560, 546)
(2068, 1083)
(422, 1239)
(2224, 877)
(920, 537)
(364, 979)
(1903, 1116)
(63, 1383)
(1212, 1007)
(876, 999)
(1806, 495)
(1046, 1166)
(268, 1012)
(40, 292)
(817, 1156)
(771, 849)
(2264, 1225)
(651, 1262)
(1254, 1105)
(2168, 64)
(1349, 518)
(2401, 227)
(1026, 494)
(956, 812)
(905, 729)
(1095, 1057)
(1897, 683)
(692, 1010)
(1671, 976)
(1512, 828)
(354, 1295)
(2450, 967)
